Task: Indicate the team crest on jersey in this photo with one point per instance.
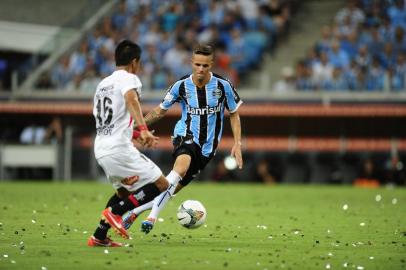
(217, 93)
(187, 94)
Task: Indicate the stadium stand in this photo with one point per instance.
(362, 50)
(240, 30)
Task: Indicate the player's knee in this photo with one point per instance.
(182, 165)
(162, 184)
(181, 168)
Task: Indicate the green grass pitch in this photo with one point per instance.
(46, 226)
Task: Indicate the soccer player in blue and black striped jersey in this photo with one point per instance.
(204, 97)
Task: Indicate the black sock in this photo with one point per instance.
(141, 196)
(102, 229)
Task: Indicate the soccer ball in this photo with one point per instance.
(191, 214)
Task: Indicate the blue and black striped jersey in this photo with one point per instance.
(202, 109)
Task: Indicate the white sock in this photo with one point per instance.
(161, 200)
(143, 208)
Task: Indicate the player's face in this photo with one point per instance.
(201, 65)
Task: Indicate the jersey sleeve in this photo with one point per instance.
(233, 100)
(172, 95)
(130, 81)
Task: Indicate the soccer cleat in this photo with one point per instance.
(107, 242)
(115, 222)
(147, 225)
(129, 219)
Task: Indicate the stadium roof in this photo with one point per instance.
(31, 38)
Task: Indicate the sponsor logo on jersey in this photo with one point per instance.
(204, 110)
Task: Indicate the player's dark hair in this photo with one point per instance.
(127, 51)
(203, 49)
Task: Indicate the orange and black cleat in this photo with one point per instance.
(107, 242)
(115, 222)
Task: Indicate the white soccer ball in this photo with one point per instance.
(191, 214)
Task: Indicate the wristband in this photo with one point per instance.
(136, 133)
(142, 127)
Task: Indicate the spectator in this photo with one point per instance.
(176, 59)
(392, 81)
(323, 45)
(78, 59)
(34, 134)
(363, 59)
(400, 71)
(89, 82)
(322, 70)
(350, 44)
(376, 76)
(386, 56)
(368, 176)
(355, 15)
(119, 18)
(375, 46)
(397, 14)
(44, 82)
(62, 73)
(399, 40)
(304, 76)
(337, 82)
(263, 174)
(236, 50)
(287, 82)
(337, 56)
(395, 172)
(213, 14)
(170, 18)
(223, 66)
(221, 173)
(39, 135)
(250, 11)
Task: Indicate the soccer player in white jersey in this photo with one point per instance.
(135, 177)
(203, 97)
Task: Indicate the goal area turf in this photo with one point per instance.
(46, 225)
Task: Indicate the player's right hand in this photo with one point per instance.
(147, 139)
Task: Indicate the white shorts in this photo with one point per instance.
(129, 164)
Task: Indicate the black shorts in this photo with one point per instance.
(185, 145)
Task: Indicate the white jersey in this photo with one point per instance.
(113, 121)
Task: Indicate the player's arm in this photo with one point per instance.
(134, 107)
(155, 115)
(236, 129)
(159, 111)
(233, 102)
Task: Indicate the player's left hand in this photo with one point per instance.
(138, 141)
(236, 153)
(147, 139)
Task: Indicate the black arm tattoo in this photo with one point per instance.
(152, 117)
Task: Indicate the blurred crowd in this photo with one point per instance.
(363, 49)
(359, 169)
(241, 31)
